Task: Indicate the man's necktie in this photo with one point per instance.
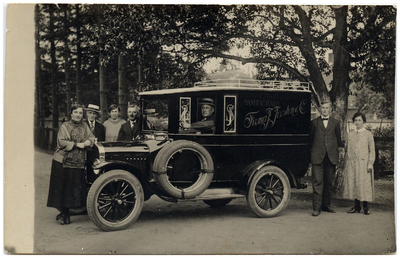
(92, 126)
(325, 121)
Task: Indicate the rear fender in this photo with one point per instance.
(249, 172)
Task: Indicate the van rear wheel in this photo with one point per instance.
(269, 192)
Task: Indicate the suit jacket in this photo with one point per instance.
(126, 133)
(99, 131)
(325, 141)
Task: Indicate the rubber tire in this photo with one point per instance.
(95, 190)
(217, 203)
(250, 197)
(160, 165)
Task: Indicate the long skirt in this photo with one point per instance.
(357, 182)
(67, 187)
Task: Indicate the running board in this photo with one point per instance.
(217, 194)
(209, 194)
(217, 197)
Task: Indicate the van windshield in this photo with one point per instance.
(155, 115)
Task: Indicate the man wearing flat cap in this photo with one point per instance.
(206, 124)
(92, 112)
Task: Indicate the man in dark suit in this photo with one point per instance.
(92, 111)
(131, 128)
(325, 140)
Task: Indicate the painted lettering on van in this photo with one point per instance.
(260, 102)
(272, 115)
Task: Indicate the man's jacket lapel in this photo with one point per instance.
(321, 123)
(330, 123)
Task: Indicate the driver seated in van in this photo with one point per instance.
(149, 116)
(206, 124)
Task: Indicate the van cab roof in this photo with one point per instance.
(240, 84)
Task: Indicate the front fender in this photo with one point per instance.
(249, 172)
(107, 165)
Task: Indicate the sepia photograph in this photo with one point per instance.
(199, 129)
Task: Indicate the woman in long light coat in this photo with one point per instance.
(358, 182)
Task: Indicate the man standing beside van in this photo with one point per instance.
(325, 140)
(92, 111)
(131, 128)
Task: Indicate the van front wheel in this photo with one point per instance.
(115, 200)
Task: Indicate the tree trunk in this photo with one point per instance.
(103, 87)
(139, 81)
(54, 88)
(66, 60)
(306, 48)
(122, 86)
(102, 69)
(78, 57)
(39, 113)
(341, 67)
(340, 85)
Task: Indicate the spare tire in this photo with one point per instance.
(183, 169)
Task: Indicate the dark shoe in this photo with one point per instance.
(316, 213)
(67, 219)
(366, 211)
(61, 218)
(328, 209)
(354, 210)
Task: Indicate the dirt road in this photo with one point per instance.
(195, 228)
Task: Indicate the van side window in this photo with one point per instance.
(155, 115)
(184, 112)
(230, 114)
(205, 121)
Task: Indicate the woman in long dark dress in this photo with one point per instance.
(67, 180)
(358, 184)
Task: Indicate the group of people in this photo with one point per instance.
(358, 179)
(115, 128)
(68, 187)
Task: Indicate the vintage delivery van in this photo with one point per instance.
(214, 142)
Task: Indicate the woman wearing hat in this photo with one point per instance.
(67, 180)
